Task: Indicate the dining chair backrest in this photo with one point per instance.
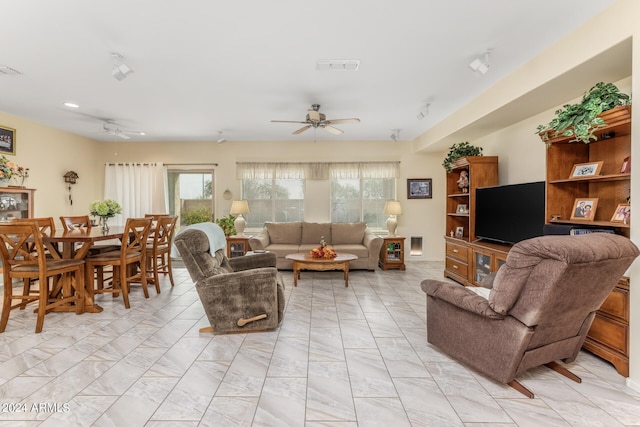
(21, 245)
(163, 233)
(155, 217)
(46, 225)
(135, 235)
(75, 222)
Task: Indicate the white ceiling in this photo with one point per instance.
(204, 66)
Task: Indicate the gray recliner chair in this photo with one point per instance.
(238, 294)
(539, 308)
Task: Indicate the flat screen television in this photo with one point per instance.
(510, 213)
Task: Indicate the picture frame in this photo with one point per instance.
(419, 188)
(582, 170)
(7, 140)
(626, 165)
(584, 208)
(462, 209)
(622, 214)
(459, 232)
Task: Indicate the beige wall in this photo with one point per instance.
(49, 153)
(421, 218)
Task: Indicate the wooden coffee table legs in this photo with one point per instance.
(316, 266)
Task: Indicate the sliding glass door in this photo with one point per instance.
(191, 195)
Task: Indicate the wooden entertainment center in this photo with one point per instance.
(468, 260)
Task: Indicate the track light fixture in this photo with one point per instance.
(395, 135)
(424, 112)
(481, 65)
(120, 69)
(221, 139)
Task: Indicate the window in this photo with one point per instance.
(280, 200)
(191, 195)
(361, 199)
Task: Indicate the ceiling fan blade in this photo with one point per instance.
(302, 129)
(122, 135)
(314, 115)
(342, 121)
(286, 121)
(333, 130)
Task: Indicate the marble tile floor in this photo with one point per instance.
(342, 357)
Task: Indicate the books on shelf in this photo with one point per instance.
(576, 231)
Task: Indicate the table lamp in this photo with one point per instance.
(239, 207)
(392, 208)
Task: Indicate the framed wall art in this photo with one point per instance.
(7, 140)
(419, 188)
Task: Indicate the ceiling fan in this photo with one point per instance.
(315, 119)
(112, 128)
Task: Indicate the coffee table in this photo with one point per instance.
(306, 262)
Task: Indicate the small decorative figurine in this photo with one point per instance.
(463, 181)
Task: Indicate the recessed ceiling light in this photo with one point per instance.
(71, 105)
(142, 133)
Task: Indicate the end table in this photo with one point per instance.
(392, 253)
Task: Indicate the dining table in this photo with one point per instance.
(75, 244)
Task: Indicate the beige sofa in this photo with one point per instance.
(285, 238)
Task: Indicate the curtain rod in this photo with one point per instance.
(191, 164)
(306, 163)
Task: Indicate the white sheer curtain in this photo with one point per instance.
(140, 188)
(318, 170)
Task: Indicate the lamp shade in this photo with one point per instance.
(392, 207)
(239, 207)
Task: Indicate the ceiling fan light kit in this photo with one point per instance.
(315, 119)
(221, 139)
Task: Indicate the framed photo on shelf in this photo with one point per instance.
(622, 213)
(581, 170)
(584, 208)
(462, 209)
(459, 232)
(7, 140)
(419, 188)
(626, 165)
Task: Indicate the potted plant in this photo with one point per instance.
(581, 120)
(458, 150)
(227, 225)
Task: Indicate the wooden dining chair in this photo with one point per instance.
(132, 254)
(156, 216)
(159, 251)
(60, 281)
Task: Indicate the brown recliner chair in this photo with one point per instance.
(239, 294)
(539, 308)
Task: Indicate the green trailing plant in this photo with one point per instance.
(458, 150)
(227, 224)
(581, 120)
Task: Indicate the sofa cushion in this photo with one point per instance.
(312, 232)
(347, 233)
(282, 249)
(360, 251)
(284, 232)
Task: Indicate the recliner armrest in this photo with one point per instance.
(459, 296)
(249, 262)
(260, 241)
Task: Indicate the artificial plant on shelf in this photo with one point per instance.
(458, 150)
(581, 120)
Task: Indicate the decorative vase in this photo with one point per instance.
(4, 182)
(104, 224)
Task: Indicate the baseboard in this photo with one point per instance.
(633, 385)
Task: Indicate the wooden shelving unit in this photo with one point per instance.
(483, 172)
(609, 333)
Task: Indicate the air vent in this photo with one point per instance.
(338, 65)
(9, 71)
